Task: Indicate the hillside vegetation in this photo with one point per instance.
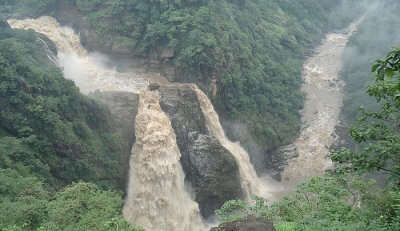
(346, 198)
(50, 137)
(252, 50)
(375, 37)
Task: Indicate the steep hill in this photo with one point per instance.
(50, 137)
(47, 127)
(247, 55)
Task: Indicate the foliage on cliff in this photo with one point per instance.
(347, 199)
(46, 126)
(331, 203)
(50, 136)
(376, 35)
(253, 49)
(25, 204)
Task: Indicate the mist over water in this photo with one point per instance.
(157, 198)
(320, 116)
(251, 183)
(90, 71)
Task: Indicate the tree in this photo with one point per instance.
(378, 131)
(84, 206)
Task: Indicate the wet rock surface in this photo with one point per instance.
(210, 169)
(248, 224)
(123, 107)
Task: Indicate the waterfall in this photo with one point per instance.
(251, 183)
(156, 197)
(89, 71)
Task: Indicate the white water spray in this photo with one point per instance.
(87, 70)
(156, 198)
(251, 183)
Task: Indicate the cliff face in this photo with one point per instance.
(210, 168)
(156, 197)
(123, 107)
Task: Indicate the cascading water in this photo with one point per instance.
(251, 183)
(87, 70)
(156, 197)
(320, 115)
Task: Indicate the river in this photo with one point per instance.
(324, 99)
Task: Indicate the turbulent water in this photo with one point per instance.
(324, 98)
(251, 183)
(156, 197)
(88, 70)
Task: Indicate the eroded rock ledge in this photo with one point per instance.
(248, 224)
(210, 168)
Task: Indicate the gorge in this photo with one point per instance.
(320, 116)
(90, 76)
(165, 135)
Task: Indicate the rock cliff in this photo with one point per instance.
(123, 106)
(210, 168)
(248, 224)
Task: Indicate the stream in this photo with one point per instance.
(324, 99)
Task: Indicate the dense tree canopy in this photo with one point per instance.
(378, 131)
(46, 126)
(50, 136)
(253, 50)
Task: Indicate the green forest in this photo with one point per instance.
(61, 156)
(254, 50)
(375, 37)
(50, 137)
(348, 198)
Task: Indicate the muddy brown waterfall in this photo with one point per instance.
(251, 183)
(156, 197)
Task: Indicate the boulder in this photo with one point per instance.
(154, 86)
(4, 25)
(248, 224)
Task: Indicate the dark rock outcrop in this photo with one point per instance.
(210, 168)
(123, 107)
(4, 24)
(248, 224)
(279, 159)
(154, 86)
